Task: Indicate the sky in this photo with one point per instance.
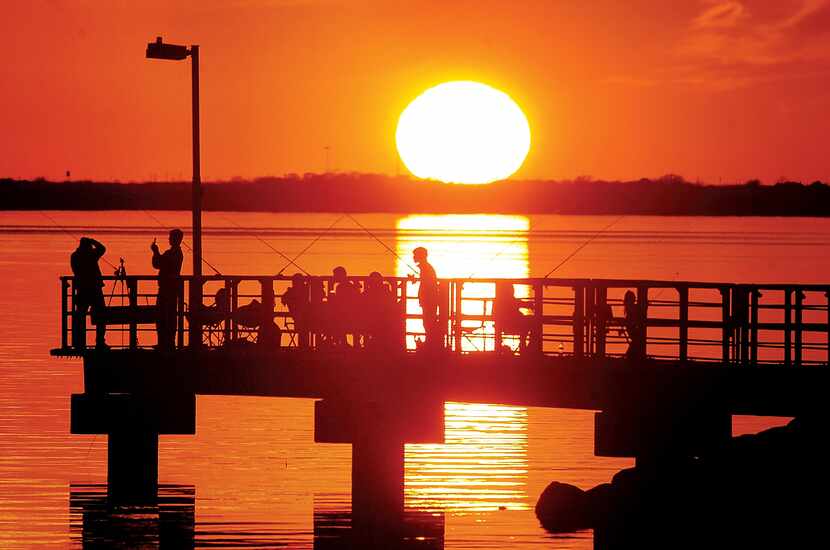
(713, 90)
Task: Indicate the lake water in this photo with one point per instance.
(252, 476)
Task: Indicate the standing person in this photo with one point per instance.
(169, 265)
(428, 297)
(88, 284)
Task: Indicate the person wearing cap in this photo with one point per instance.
(428, 297)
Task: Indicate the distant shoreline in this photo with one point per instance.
(666, 196)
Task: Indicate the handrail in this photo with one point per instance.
(786, 324)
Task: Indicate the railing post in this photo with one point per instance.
(799, 304)
(788, 337)
(497, 326)
(726, 330)
(234, 294)
(402, 288)
(753, 328)
(642, 311)
(684, 323)
(195, 298)
(65, 313)
(827, 295)
(600, 322)
(742, 310)
(538, 314)
(459, 287)
(180, 314)
(132, 290)
(231, 307)
(579, 321)
(590, 308)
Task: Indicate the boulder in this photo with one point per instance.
(562, 508)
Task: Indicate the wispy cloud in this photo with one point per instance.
(719, 16)
(730, 43)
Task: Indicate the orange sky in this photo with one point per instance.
(708, 89)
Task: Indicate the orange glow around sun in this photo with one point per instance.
(463, 132)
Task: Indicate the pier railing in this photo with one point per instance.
(668, 320)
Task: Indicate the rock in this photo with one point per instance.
(760, 489)
(562, 507)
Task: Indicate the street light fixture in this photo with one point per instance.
(173, 52)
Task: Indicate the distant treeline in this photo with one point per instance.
(669, 195)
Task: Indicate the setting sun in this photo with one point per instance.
(463, 132)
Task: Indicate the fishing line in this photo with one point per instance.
(382, 243)
(583, 245)
(59, 226)
(304, 250)
(266, 243)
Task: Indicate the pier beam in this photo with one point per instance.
(653, 435)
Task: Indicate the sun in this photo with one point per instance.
(463, 132)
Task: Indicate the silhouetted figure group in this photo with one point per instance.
(88, 284)
(368, 315)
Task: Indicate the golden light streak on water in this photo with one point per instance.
(483, 464)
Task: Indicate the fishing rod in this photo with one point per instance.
(583, 245)
(266, 243)
(59, 226)
(312, 243)
(381, 242)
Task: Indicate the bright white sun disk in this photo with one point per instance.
(463, 132)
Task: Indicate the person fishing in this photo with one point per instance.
(89, 294)
(428, 298)
(169, 265)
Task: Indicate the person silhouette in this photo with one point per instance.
(377, 312)
(428, 297)
(343, 303)
(507, 312)
(89, 295)
(296, 299)
(169, 266)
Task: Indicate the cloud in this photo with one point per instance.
(732, 44)
(721, 15)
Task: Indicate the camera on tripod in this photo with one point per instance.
(120, 271)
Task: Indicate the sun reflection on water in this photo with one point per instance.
(483, 464)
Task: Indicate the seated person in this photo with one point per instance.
(343, 302)
(377, 311)
(508, 315)
(214, 316)
(297, 300)
(255, 316)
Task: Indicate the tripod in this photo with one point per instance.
(120, 282)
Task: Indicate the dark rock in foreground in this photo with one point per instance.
(763, 490)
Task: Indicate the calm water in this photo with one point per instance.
(252, 476)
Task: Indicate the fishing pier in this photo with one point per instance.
(705, 352)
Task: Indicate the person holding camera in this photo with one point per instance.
(169, 265)
(88, 294)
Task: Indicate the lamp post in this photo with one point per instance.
(160, 50)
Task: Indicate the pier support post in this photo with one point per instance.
(377, 480)
(132, 465)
